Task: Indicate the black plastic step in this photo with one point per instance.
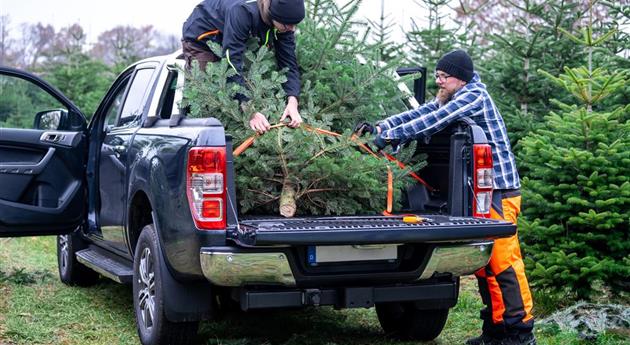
(366, 230)
(109, 265)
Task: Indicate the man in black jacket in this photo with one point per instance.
(230, 23)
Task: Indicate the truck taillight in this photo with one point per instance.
(482, 180)
(205, 187)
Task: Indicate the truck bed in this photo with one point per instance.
(266, 231)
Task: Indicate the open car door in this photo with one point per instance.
(43, 151)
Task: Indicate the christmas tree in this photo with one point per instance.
(577, 189)
(319, 168)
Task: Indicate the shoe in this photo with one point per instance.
(484, 339)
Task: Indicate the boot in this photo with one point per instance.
(521, 339)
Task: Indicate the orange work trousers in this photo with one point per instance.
(502, 283)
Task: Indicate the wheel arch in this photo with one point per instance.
(140, 214)
(187, 301)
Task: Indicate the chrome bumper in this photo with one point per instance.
(459, 260)
(239, 269)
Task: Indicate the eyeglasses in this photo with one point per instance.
(442, 77)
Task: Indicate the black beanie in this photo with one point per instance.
(458, 64)
(287, 11)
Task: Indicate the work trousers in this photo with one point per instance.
(194, 51)
(502, 283)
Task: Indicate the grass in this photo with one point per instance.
(36, 308)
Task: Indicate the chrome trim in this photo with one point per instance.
(459, 260)
(239, 269)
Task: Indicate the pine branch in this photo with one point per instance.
(320, 190)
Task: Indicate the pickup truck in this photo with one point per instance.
(146, 196)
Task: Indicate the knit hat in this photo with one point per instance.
(458, 64)
(287, 11)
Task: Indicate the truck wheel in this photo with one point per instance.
(71, 271)
(402, 320)
(148, 298)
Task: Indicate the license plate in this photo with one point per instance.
(327, 254)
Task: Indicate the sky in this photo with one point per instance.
(96, 16)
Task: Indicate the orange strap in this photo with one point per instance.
(249, 141)
(411, 173)
(390, 191)
(355, 139)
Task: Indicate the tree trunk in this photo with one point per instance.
(287, 200)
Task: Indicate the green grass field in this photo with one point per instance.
(36, 308)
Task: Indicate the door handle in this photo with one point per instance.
(119, 149)
(52, 137)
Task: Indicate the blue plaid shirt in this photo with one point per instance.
(472, 101)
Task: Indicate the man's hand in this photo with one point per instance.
(364, 127)
(381, 143)
(291, 111)
(259, 123)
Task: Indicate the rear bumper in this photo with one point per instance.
(235, 267)
(425, 296)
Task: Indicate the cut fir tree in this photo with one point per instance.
(310, 170)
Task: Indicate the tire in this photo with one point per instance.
(71, 271)
(148, 298)
(402, 320)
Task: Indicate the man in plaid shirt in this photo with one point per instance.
(503, 286)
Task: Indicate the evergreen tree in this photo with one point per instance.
(305, 171)
(577, 189)
(381, 30)
(532, 43)
(81, 78)
(428, 42)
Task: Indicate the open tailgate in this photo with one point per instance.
(366, 230)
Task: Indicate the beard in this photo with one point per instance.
(443, 96)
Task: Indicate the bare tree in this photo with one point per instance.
(7, 56)
(124, 44)
(500, 16)
(34, 46)
(69, 41)
(166, 44)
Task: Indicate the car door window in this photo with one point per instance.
(22, 100)
(134, 102)
(111, 115)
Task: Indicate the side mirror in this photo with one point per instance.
(51, 119)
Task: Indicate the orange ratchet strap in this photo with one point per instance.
(390, 175)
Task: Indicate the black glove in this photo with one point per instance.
(381, 143)
(364, 127)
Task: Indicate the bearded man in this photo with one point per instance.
(503, 286)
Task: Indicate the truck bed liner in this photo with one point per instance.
(366, 230)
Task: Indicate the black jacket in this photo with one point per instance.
(236, 21)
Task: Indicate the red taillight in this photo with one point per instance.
(482, 180)
(205, 187)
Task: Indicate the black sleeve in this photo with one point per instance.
(285, 56)
(235, 35)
